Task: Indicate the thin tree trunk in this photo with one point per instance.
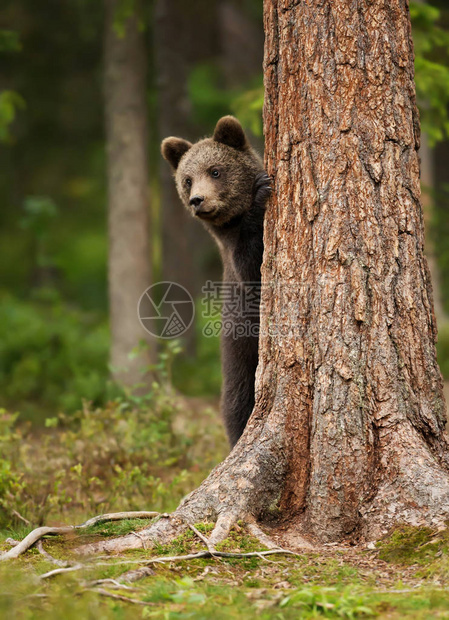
(128, 199)
(347, 434)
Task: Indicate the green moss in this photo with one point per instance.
(116, 528)
(410, 545)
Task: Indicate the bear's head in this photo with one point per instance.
(215, 177)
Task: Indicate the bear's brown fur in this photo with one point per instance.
(221, 181)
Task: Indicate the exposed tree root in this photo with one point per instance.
(165, 560)
(260, 535)
(120, 597)
(415, 491)
(118, 516)
(163, 531)
(33, 537)
(237, 489)
(136, 574)
(61, 571)
(112, 583)
(205, 540)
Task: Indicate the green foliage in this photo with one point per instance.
(51, 355)
(10, 103)
(248, 108)
(431, 44)
(9, 41)
(39, 212)
(440, 233)
(132, 452)
(328, 602)
(209, 98)
(125, 10)
(10, 480)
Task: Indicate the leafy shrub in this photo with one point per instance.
(328, 602)
(132, 454)
(51, 355)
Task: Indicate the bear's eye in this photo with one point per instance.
(215, 173)
(188, 182)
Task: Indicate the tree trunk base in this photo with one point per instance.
(412, 489)
(415, 488)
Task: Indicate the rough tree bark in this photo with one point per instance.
(347, 435)
(129, 267)
(347, 193)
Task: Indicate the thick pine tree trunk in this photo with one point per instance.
(346, 228)
(347, 434)
(128, 199)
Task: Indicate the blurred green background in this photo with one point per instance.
(54, 330)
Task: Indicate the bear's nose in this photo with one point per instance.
(195, 201)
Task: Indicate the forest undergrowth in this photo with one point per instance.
(146, 453)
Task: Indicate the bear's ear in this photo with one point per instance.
(173, 149)
(229, 131)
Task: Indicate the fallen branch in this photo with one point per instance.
(60, 571)
(11, 542)
(32, 539)
(113, 583)
(120, 597)
(19, 516)
(118, 516)
(40, 532)
(167, 559)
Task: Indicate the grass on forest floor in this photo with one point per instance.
(406, 576)
(145, 455)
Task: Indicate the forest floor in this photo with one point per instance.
(68, 473)
(404, 576)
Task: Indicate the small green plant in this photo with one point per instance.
(129, 453)
(328, 602)
(11, 484)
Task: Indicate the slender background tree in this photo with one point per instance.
(129, 272)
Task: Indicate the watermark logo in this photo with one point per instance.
(166, 310)
(237, 303)
(230, 309)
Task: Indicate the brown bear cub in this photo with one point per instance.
(222, 182)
